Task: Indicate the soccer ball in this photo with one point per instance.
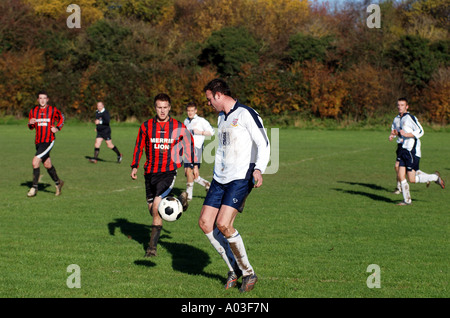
(170, 209)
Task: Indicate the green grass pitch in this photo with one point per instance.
(312, 230)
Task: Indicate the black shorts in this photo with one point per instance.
(159, 184)
(105, 133)
(43, 150)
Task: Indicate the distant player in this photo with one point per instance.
(103, 129)
(47, 121)
(165, 141)
(199, 128)
(406, 156)
(241, 158)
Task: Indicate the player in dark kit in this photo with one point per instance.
(166, 141)
(103, 129)
(47, 121)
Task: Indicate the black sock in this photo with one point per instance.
(96, 151)
(154, 237)
(36, 174)
(116, 151)
(53, 175)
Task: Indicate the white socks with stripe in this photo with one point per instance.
(238, 249)
(405, 191)
(425, 177)
(222, 246)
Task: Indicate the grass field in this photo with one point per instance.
(310, 231)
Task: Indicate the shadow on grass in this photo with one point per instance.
(41, 186)
(185, 258)
(372, 186)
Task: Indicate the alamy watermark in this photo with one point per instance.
(373, 20)
(374, 279)
(74, 279)
(74, 20)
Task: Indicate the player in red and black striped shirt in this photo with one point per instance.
(47, 121)
(165, 140)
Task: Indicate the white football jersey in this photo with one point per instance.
(201, 124)
(409, 123)
(243, 145)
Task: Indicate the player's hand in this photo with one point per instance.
(257, 178)
(134, 173)
(32, 121)
(97, 121)
(54, 130)
(392, 135)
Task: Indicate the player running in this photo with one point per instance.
(103, 130)
(408, 158)
(165, 140)
(241, 157)
(47, 121)
(199, 128)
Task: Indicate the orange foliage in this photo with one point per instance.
(326, 89)
(20, 79)
(437, 98)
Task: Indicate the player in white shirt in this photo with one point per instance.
(199, 128)
(241, 158)
(409, 132)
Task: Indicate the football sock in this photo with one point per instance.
(116, 151)
(96, 151)
(238, 249)
(405, 191)
(399, 186)
(425, 177)
(53, 175)
(190, 189)
(201, 181)
(221, 245)
(154, 237)
(36, 173)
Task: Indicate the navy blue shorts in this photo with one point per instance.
(232, 194)
(408, 159)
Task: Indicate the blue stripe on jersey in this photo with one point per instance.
(255, 116)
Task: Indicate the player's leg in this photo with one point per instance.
(52, 172)
(189, 181)
(398, 189)
(98, 143)
(405, 186)
(114, 148)
(36, 162)
(206, 222)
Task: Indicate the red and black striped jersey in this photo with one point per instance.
(46, 118)
(165, 145)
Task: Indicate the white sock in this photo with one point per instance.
(425, 177)
(222, 247)
(399, 186)
(190, 189)
(201, 181)
(405, 191)
(238, 249)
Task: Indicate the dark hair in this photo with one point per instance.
(218, 85)
(41, 93)
(162, 97)
(191, 104)
(402, 99)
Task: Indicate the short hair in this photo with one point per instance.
(162, 97)
(402, 99)
(191, 104)
(41, 93)
(218, 85)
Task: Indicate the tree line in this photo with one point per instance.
(281, 57)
